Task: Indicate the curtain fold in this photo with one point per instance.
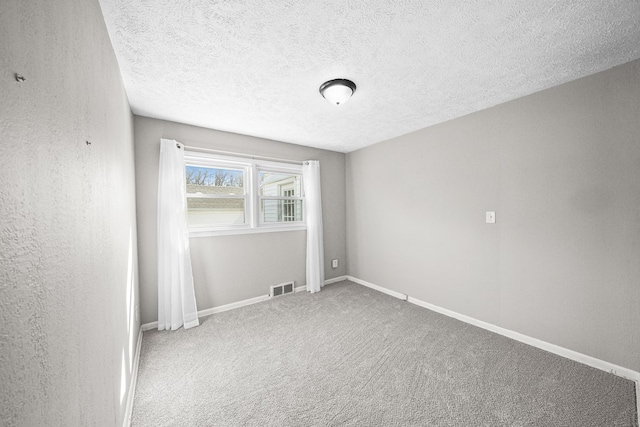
(313, 212)
(176, 295)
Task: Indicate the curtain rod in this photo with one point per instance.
(231, 153)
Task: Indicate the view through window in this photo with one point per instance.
(215, 196)
(226, 194)
(280, 196)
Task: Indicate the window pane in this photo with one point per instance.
(280, 184)
(273, 211)
(205, 180)
(213, 212)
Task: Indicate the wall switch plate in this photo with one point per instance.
(334, 263)
(491, 217)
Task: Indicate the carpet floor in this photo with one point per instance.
(352, 356)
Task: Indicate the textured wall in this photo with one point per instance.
(561, 169)
(233, 268)
(68, 270)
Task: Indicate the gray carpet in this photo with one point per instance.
(351, 356)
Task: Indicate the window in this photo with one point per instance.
(280, 197)
(215, 195)
(228, 195)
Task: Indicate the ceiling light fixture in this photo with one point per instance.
(337, 91)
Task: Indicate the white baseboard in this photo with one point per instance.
(219, 309)
(335, 280)
(213, 310)
(231, 306)
(552, 348)
(326, 282)
(149, 326)
(378, 288)
(128, 411)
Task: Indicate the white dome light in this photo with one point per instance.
(337, 91)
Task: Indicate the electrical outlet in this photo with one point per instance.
(334, 263)
(491, 217)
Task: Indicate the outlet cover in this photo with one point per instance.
(491, 217)
(334, 263)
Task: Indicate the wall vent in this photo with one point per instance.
(282, 289)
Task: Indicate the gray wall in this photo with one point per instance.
(68, 270)
(228, 269)
(562, 170)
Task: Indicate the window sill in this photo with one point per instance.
(271, 229)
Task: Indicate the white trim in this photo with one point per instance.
(335, 280)
(149, 326)
(228, 232)
(219, 309)
(231, 306)
(552, 348)
(326, 282)
(237, 157)
(378, 288)
(128, 409)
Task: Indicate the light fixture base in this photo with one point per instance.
(337, 91)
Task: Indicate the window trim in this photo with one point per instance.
(259, 198)
(207, 162)
(252, 168)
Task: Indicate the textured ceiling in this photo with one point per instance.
(254, 67)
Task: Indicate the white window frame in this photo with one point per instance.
(252, 168)
(277, 168)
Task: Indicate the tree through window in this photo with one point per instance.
(215, 196)
(227, 194)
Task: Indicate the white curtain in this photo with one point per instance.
(313, 212)
(176, 296)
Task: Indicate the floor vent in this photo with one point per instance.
(282, 289)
